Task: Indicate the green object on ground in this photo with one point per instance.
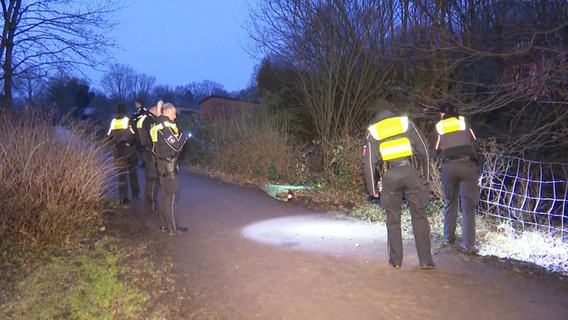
(282, 192)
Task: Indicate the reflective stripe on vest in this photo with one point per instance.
(395, 149)
(166, 124)
(140, 121)
(389, 127)
(119, 124)
(452, 124)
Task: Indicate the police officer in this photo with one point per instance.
(122, 134)
(168, 142)
(140, 111)
(143, 126)
(455, 145)
(394, 143)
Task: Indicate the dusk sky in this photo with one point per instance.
(183, 41)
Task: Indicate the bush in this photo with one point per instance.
(54, 180)
(253, 146)
(345, 179)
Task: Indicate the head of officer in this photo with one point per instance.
(447, 110)
(384, 109)
(121, 109)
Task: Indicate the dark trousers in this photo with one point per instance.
(126, 161)
(152, 182)
(459, 180)
(169, 186)
(399, 181)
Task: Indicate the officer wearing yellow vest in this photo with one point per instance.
(395, 144)
(143, 126)
(122, 134)
(168, 142)
(140, 111)
(455, 145)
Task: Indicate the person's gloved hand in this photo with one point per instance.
(374, 199)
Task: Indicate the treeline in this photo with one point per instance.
(48, 45)
(502, 63)
(76, 98)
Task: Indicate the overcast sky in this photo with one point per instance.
(183, 41)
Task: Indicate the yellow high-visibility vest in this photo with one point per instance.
(119, 124)
(141, 121)
(452, 124)
(154, 130)
(389, 127)
(395, 149)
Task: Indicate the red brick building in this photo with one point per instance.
(215, 108)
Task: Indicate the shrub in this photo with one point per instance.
(346, 175)
(54, 180)
(253, 146)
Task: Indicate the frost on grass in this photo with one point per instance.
(530, 246)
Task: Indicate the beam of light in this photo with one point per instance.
(319, 233)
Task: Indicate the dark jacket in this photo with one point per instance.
(136, 116)
(120, 131)
(167, 139)
(458, 142)
(143, 126)
(372, 162)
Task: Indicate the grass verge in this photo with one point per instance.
(117, 274)
(82, 286)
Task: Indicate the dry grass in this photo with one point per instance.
(54, 181)
(255, 146)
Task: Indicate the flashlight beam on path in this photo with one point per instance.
(320, 233)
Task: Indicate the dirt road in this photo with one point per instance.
(248, 256)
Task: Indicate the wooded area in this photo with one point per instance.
(324, 63)
(503, 63)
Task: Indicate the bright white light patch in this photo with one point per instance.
(320, 233)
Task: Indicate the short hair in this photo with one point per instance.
(121, 108)
(448, 109)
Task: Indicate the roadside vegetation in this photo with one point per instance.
(61, 255)
(53, 183)
(86, 284)
(255, 149)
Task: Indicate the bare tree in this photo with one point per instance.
(164, 92)
(185, 97)
(47, 35)
(342, 53)
(143, 85)
(31, 89)
(503, 62)
(205, 88)
(120, 82)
